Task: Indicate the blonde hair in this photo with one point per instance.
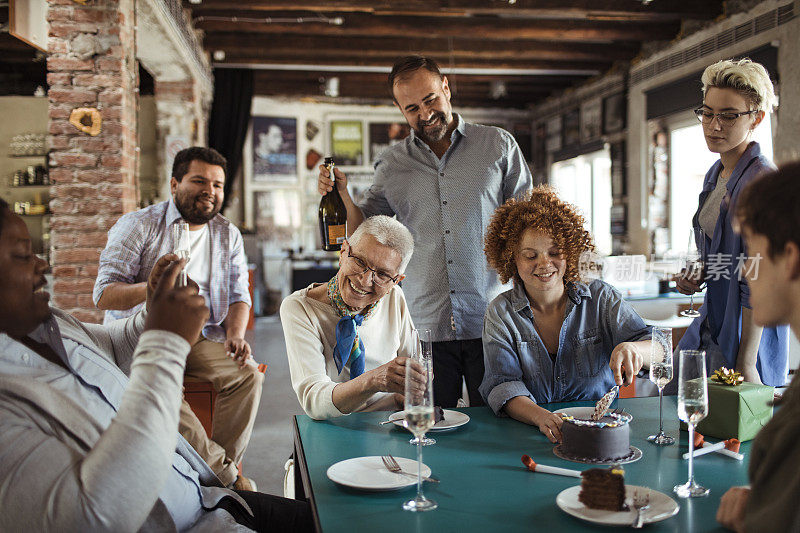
(747, 77)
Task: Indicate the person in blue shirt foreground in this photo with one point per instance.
(552, 338)
(769, 221)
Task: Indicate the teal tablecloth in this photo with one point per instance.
(484, 486)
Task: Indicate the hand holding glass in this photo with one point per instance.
(181, 247)
(424, 349)
(692, 408)
(419, 418)
(660, 375)
(694, 266)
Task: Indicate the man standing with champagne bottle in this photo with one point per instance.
(443, 182)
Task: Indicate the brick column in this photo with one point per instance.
(91, 64)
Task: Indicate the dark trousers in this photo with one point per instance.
(271, 513)
(451, 361)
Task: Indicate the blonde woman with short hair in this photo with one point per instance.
(737, 94)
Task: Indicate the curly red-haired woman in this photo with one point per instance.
(552, 338)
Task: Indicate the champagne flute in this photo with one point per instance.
(419, 418)
(181, 247)
(692, 408)
(694, 266)
(660, 375)
(424, 347)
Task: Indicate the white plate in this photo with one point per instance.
(369, 473)
(661, 507)
(585, 412)
(452, 419)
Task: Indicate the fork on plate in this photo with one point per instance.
(392, 466)
(640, 505)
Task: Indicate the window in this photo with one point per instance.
(690, 159)
(585, 181)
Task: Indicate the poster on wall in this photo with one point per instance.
(591, 120)
(274, 149)
(278, 217)
(572, 128)
(347, 142)
(382, 135)
(614, 113)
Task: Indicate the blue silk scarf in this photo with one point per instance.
(348, 346)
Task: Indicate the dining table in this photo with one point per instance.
(483, 484)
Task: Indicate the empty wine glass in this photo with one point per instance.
(424, 347)
(660, 375)
(181, 247)
(419, 418)
(692, 408)
(694, 266)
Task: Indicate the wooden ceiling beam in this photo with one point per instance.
(621, 10)
(392, 47)
(487, 28)
(379, 79)
(590, 67)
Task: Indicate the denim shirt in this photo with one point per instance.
(728, 292)
(517, 363)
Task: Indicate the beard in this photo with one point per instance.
(189, 210)
(436, 133)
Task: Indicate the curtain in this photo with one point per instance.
(230, 117)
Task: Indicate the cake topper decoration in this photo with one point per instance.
(727, 377)
(602, 405)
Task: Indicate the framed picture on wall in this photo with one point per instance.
(614, 113)
(347, 142)
(572, 128)
(278, 217)
(274, 149)
(591, 120)
(382, 135)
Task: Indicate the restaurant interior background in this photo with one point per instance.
(598, 95)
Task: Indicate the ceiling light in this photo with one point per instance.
(219, 55)
(195, 1)
(498, 90)
(332, 87)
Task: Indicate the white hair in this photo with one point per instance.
(747, 77)
(389, 232)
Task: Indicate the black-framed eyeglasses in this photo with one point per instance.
(725, 119)
(379, 276)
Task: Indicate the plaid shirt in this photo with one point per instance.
(138, 239)
(447, 204)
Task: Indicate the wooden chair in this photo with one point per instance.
(201, 397)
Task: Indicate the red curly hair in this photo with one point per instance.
(539, 209)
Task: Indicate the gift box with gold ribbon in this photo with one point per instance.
(736, 409)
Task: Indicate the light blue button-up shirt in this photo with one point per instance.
(517, 363)
(97, 384)
(447, 204)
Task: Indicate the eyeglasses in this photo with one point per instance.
(725, 119)
(380, 277)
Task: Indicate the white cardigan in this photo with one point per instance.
(309, 328)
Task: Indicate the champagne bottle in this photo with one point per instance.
(332, 216)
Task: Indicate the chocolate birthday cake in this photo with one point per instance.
(603, 440)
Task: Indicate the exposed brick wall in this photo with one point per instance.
(91, 64)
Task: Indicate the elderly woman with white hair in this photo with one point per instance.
(736, 97)
(348, 339)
